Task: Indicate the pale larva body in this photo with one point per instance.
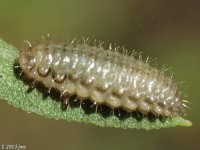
(102, 76)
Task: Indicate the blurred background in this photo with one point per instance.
(168, 30)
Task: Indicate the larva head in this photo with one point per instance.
(26, 58)
(36, 60)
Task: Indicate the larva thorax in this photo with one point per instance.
(102, 76)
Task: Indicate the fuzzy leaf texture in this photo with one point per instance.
(14, 92)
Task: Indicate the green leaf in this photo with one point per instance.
(14, 92)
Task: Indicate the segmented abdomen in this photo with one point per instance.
(102, 76)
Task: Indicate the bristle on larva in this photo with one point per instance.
(104, 76)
